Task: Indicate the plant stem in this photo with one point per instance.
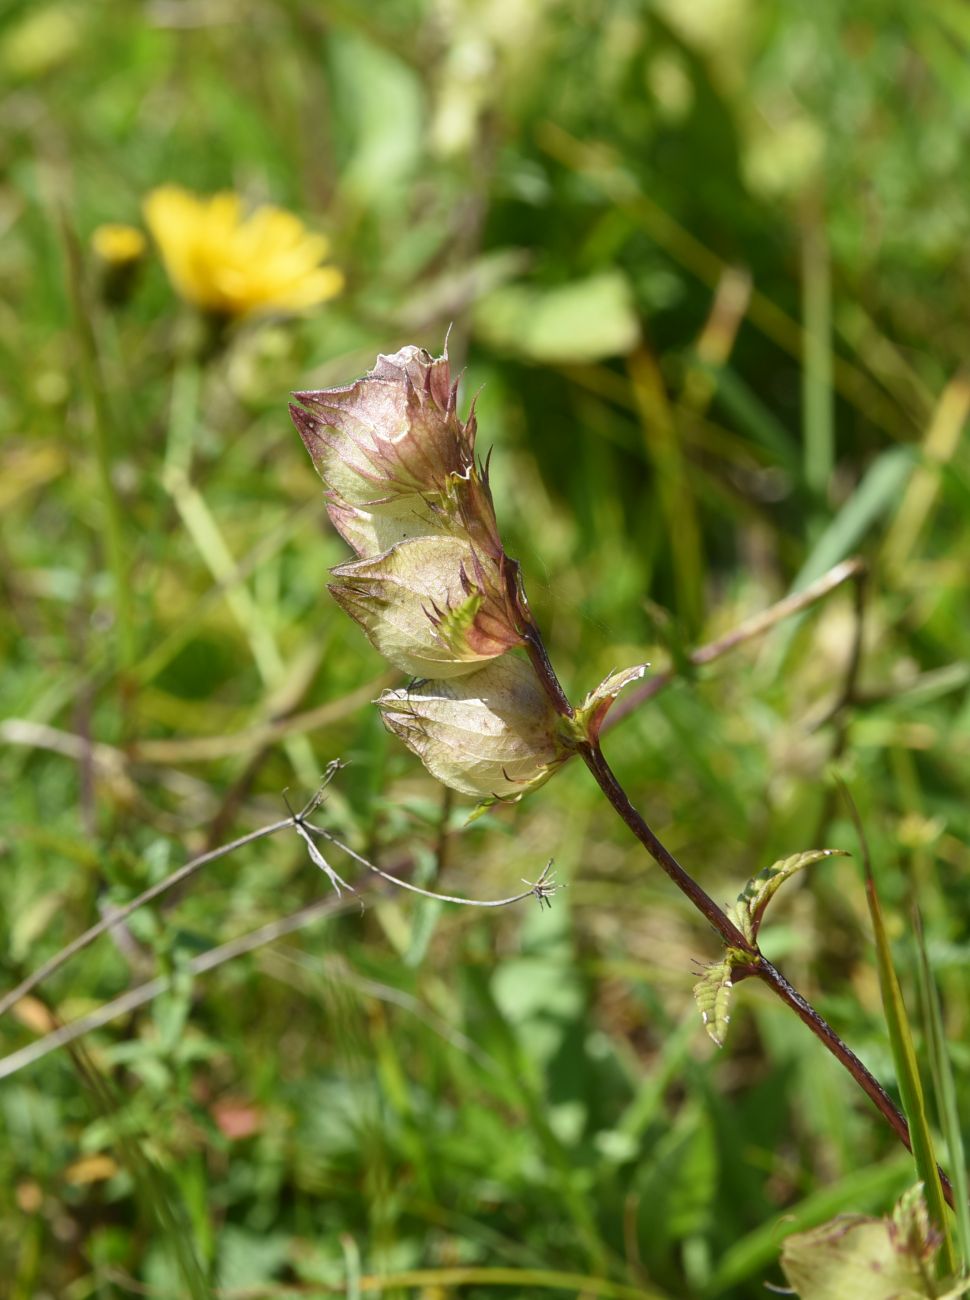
(119, 914)
(116, 545)
(817, 393)
(759, 623)
(596, 762)
(592, 756)
(758, 966)
(823, 1031)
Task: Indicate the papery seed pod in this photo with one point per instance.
(395, 432)
(372, 532)
(463, 509)
(431, 606)
(493, 734)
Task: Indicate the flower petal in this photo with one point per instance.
(238, 266)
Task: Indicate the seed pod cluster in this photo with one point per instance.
(432, 587)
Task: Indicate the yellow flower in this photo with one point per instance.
(117, 245)
(237, 266)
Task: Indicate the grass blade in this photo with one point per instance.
(877, 493)
(817, 373)
(904, 1058)
(116, 544)
(523, 1280)
(945, 1090)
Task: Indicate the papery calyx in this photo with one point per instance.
(493, 734)
(393, 433)
(432, 606)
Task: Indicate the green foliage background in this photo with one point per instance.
(581, 187)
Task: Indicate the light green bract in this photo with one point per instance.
(371, 532)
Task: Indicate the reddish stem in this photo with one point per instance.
(758, 966)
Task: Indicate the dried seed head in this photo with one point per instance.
(431, 606)
(493, 734)
(433, 588)
(394, 433)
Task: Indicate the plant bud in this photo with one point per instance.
(493, 734)
(394, 433)
(588, 719)
(432, 606)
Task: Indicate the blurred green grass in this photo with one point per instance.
(629, 213)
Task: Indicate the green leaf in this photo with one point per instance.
(754, 898)
(678, 1182)
(378, 106)
(712, 993)
(877, 494)
(426, 912)
(580, 322)
(250, 1258)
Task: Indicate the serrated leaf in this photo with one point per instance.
(712, 993)
(754, 898)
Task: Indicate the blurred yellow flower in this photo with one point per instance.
(236, 265)
(117, 245)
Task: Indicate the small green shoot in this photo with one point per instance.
(754, 898)
(712, 992)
